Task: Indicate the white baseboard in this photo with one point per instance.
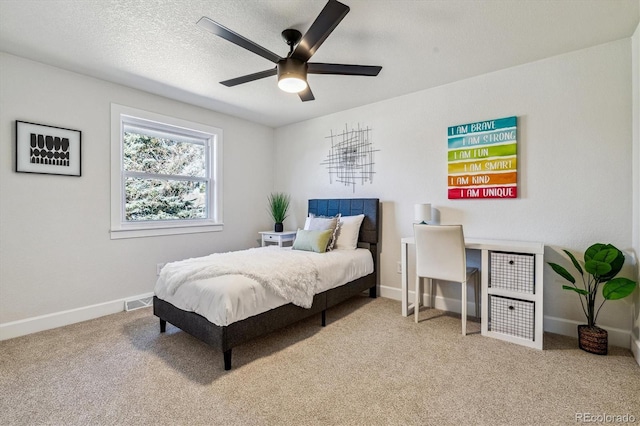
(635, 348)
(617, 336)
(565, 327)
(26, 326)
(445, 304)
(9, 330)
(389, 292)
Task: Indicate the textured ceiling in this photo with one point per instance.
(156, 46)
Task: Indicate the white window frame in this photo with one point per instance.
(120, 227)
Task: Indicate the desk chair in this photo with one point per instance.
(440, 255)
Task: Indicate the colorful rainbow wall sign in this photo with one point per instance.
(483, 159)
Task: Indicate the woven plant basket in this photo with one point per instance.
(593, 339)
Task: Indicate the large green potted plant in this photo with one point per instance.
(602, 263)
(278, 209)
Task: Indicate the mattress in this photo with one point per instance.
(226, 299)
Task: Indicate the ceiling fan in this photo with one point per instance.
(292, 70)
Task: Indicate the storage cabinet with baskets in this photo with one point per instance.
(512, 293)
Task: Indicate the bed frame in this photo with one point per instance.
(225, 338)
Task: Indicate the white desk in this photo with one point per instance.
(486, 246)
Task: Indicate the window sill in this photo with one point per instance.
(156, 231)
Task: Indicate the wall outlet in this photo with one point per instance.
(399, 267)
(159, 267)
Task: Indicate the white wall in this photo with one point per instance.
(55, 249)
(635, 73)
(574, 141)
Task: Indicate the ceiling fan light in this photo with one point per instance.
(292, 75)
(292, 84)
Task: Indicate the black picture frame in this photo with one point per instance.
(47, 149)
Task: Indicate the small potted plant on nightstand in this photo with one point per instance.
(602, 262)
(278, 208)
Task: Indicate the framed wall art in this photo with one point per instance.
(483, 159)
(47, 149)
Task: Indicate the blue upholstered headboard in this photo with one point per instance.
(370, 207)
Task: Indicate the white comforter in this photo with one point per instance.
(217, 288)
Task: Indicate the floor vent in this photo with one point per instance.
(130, 305)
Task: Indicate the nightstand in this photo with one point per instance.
(279, 238)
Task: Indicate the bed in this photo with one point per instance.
(233, 332)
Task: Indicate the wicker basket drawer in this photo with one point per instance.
(511, 316)
(514, 272)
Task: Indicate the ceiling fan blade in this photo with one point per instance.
(237, 39)
(250, 77)
(306, 94)
(325, 23)
(342, 69)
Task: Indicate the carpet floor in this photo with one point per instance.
(368, 366)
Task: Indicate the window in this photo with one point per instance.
(165, 175)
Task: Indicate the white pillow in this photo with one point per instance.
(348, 232)
(321, 223)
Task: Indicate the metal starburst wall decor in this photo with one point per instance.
(351, 157)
